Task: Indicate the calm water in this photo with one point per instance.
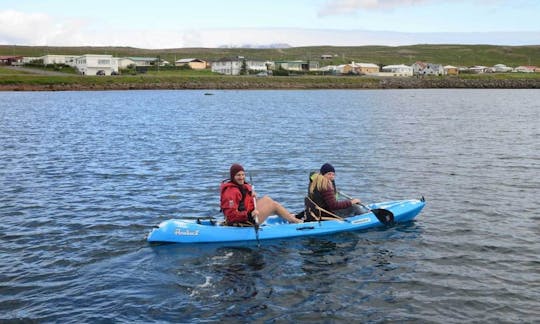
(85, 175)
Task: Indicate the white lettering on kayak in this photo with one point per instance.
(180, 232)
(361, 220)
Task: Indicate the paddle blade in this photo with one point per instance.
(384, 216)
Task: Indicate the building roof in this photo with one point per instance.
(189, 60)
(138, 58)
(365, 65)
(395, 66)
(10, 57)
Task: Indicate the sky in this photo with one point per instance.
(238, 23)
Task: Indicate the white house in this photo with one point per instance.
(501, 68)
(90, 64)
(30, 59)
(396, 70)
(525, 69)
(423, 68)
(50, 59)
(478, 69)
(124, 62)
(143, 61)
(233, 66)
(58, 59)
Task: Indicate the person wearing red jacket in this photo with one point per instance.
(238, 205)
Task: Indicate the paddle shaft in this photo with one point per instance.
(255, 217)
(349, 197)
(383, 215)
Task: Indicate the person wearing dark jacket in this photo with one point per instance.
(323, 191)
(240, 204)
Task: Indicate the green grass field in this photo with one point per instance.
(169, 80)
(6, 71)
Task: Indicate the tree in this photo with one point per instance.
(243, 68)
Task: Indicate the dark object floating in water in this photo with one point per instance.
(208, 94)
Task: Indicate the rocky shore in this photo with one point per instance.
(286, 83)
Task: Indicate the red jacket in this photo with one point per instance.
(231, 197)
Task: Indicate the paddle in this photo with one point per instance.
(256, 218)
(383, 215)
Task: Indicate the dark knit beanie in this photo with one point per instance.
(327, 167)
(235, 168)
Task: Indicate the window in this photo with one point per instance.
(104, 62)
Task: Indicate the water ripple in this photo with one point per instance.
(85, 175)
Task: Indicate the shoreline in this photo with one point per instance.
(277, 83)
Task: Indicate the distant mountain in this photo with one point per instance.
(277, 45)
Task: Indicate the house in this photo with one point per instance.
(297, 65)
(329, 69)
(343, 69)
(50, 59)
(194, 63)
(365, 68)
(423, 68)
(30, 59)
(143, 61)
(450, 70)
(396, 70)
(11, 60)
(327, 57)
(125, 62)
(478, 69)
(93, 64)
(501, 68)
(233, 66)
(525, 69)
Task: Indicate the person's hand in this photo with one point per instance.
(255, 214)
(355, 201)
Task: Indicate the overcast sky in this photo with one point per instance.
(213, 23)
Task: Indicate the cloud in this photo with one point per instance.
(340, 7)
(18, 28)
(35, 28)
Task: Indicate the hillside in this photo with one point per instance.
(458, 55)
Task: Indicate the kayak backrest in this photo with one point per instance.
(315, 213)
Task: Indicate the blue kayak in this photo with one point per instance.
(205, 230)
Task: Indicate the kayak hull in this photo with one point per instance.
(210, 231)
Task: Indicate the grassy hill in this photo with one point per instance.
(459, 55)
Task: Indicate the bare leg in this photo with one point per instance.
(267, 206)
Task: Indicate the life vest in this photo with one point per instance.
(316, 196)
(236, 202)
(318, 199)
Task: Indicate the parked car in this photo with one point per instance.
(100, 72)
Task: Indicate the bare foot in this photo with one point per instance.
(295, 220)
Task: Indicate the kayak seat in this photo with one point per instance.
(315, 213)
(238, 224)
